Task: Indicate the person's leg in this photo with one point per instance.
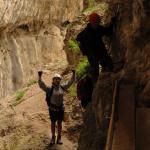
(53, 126)
(59, 125)
(94, 68)
(110, 63)
(85, 102)
(53, 133)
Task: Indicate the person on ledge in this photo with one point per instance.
(54, 99)
(91, 44)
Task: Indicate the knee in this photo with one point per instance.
(59, 122)
(53, 123)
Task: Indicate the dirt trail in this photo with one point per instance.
(29, 121)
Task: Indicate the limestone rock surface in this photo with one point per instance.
(31, 35)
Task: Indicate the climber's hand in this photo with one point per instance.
(40, 73)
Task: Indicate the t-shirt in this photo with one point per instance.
(57, 96)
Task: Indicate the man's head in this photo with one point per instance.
(56, 79)
(94, 19)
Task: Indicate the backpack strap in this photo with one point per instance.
(65, 90)
(48, 95)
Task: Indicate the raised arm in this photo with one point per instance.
(69, 83)
(41, 83)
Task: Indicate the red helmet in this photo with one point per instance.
(94, 18)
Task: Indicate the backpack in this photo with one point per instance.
(84, 88)
(80, 38)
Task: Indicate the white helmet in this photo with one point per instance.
(56, 75)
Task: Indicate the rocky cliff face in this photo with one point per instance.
(31, 35)
(131, 43)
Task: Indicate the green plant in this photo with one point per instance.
(102, 7)
(91, 3)
(82, 68)
(73, 45)
(31, 82)
(72, 90)
(19, 96)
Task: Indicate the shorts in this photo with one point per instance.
(56, 115)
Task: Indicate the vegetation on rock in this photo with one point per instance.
(82, 68)
(73, 45)
(19, 96)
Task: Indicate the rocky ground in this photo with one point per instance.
(24, 122)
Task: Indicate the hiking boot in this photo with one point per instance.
(52, 140)
(59, 140)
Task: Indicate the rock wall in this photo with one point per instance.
(94, 131)
(130, 43)
(31, 35)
